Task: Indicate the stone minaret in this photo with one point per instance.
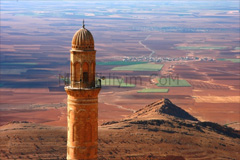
(82, 141)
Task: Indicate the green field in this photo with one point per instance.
(168, 82)
(140, 67)
(200, 47)
(119, 63)
(237, 48)
(152, 90)
(116, 82)
(236, 60)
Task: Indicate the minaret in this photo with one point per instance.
(82, 141)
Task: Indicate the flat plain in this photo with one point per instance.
(35, 44)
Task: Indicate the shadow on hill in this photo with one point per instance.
(179, 118)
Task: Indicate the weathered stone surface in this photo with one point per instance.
(82, 139)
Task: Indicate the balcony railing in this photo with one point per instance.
(80, 84)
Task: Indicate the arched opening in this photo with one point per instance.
(76, 132)
(74, 128)
(92, 73)
(71, 72)
(88, 132)
(85, 73)
(77, 71)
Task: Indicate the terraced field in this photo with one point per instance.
(204, 85)
(169, 82)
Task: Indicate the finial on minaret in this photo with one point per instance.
(83, 25)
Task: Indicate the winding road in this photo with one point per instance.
(152, 51)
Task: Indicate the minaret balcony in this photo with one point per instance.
(79, 85)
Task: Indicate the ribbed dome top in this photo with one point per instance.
(83, 40)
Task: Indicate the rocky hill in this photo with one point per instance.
(160, 130)
(162, 107)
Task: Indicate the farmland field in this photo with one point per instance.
(120, 63)
(140, 67)
(237, 60)
(200, 47)
(168, 82)
(152, 90)
(35, 61)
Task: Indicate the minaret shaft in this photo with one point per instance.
(82, 124)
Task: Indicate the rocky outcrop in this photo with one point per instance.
(163, 107)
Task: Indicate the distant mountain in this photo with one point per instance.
(160, 130)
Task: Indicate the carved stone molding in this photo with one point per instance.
(82, 93)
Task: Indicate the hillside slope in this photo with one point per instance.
(160, 130)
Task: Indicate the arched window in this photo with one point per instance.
(77, 71)
(71, 71)
(92, 72)
(85, 72)
(94, 66)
